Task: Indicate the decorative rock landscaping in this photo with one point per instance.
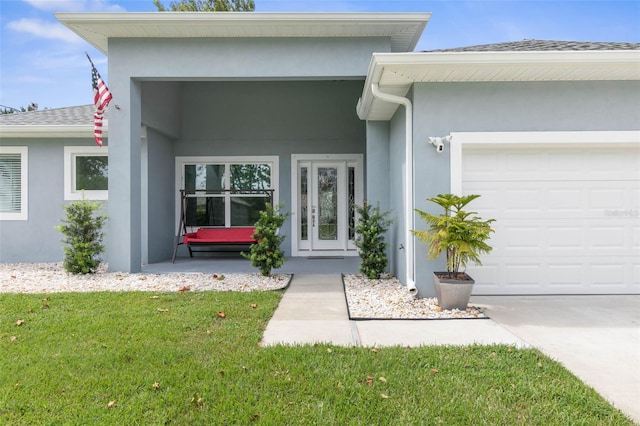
(52, 278)
(389, 299)
(367, 299)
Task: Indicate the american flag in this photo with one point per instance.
(101, 98)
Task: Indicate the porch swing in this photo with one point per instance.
(209, 233)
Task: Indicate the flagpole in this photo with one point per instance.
(101, 99)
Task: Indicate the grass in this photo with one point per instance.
(194, 358)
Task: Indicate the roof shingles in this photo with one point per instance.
(544, 45)
(69, 116)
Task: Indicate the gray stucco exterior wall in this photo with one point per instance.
(36, 239)
(238, 58)
(160, 101)
(442, 108)
(160, 222)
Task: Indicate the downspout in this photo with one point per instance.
(408, 207)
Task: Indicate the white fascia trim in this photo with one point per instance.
(528, 139)
(561, 57)
(36, 131)
(242, 18)
(400, 62)
(263, 17)
(97, 28)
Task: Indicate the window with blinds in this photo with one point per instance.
(13, 183)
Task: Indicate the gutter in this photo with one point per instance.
(409, 241)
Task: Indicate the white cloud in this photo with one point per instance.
(58, 5)
(44, 29)
(75, 5)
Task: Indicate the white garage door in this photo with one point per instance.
(568, 218)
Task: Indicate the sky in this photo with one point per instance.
(42, 61)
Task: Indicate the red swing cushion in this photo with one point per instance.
(220, 236)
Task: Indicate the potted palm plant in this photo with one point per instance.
(462, 236)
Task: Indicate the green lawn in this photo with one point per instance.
(76, 353)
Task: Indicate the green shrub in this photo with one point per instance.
(370, 239)
(82, 229)
(460, 234)
(266, 254)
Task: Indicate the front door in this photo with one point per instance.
(328, 198)
(326, 190)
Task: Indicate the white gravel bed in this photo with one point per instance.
(370, 299)
(389, 299)
(52, 278)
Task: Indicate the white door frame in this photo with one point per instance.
(296, 159)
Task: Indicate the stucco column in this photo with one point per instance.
(378, 178)
(377, 167)
(124, 208)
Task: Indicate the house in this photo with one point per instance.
(325, 109)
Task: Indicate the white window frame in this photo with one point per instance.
(271, 160)
(24, 182)
(70, 154)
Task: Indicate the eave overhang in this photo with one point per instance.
(396, 73)
(404, 29)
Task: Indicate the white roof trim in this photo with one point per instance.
(396, 73)
(404, 29)
(48, 131)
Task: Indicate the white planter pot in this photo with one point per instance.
(452, 293)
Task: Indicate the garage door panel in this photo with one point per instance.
(565, 238)
(606, 238)
(519, 238)
(607, 198)
(609, 164)
(566, 275)
(522, 163)
(568, 219)
(606, 274)
(566, 200)
(523, 273)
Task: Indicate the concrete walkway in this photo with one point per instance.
(596, 337)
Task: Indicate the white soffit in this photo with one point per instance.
(396, 73)
(404, 29)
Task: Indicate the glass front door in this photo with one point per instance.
(328, 206)
(326, 193)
